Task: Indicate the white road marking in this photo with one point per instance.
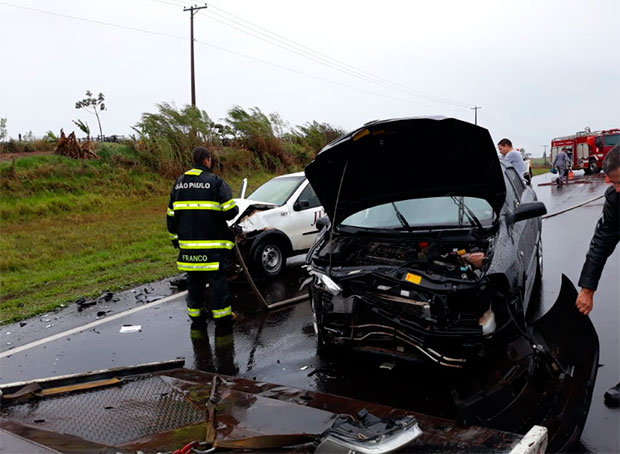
(89, 325)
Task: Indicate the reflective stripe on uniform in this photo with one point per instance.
(224, 341)
(194, 312)
(170, 212)
(197, 205)
(193, 172)
(197, 244)
(219, 313)
(173, 236)
(228, 205)
(184, 266)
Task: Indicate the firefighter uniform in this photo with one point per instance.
(200, 204)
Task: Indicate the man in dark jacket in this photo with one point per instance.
(606, 236)
(200, 204)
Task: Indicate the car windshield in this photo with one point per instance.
(276, 191)
(425, 213)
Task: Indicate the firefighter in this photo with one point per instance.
(562, 164)
(200, 204)
(606, 236)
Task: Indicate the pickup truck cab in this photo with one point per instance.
(277, 221)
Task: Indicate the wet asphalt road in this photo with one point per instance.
(279, 346)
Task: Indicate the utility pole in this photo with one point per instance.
(192, 10)
(475, 109)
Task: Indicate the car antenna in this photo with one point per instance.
(331, 230)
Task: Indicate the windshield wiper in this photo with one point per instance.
(465, 210)
(401, 218)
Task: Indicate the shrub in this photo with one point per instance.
(167, 137)
(254, 130)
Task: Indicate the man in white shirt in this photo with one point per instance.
(512, 156)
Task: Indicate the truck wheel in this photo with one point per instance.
(594, 166)
(269, 258)
(587, 170)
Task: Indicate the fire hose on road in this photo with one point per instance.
(550, 215)
(257, 292)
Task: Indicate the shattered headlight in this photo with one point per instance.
(326, 282)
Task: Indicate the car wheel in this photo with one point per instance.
(269, 258)
(594, 168)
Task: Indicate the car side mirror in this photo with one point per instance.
(301, 204)
(322, 223)
(529, 210)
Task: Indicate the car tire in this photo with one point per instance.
(587, 171)
(594, 168)
(269, 258)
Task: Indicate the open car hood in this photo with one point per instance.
(391, 160)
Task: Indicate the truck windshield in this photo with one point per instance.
(277, 191)
(427, 213)
(612, 140)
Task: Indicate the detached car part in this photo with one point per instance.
(368, 435)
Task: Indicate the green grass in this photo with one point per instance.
(71, 228)
(539, 170)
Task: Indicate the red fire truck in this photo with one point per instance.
(586, 148)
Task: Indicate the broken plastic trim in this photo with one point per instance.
(327, 282)
(368, 435)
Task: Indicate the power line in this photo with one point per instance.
(311, 75)
(282, 42)
(435, 98)
(333, 63)
(167, 35)
(93, 21)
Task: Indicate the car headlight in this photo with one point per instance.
(327, 283)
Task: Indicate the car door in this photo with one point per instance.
(527, 232)
(305, 210)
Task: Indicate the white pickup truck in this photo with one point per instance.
(277, 221)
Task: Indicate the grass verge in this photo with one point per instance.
(71, 229)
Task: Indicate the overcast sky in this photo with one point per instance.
(538, 69)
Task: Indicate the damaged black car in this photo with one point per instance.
(433, 244)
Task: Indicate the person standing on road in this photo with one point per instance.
(200, 204)
(512, 156)
(562, 163)
(604, 241)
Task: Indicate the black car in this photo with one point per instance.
(431, 247)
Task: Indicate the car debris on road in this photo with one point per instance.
(246, 415)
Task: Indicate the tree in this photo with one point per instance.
(94, 106)
(83, 127)
(2, 128)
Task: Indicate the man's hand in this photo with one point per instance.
(585, 300)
